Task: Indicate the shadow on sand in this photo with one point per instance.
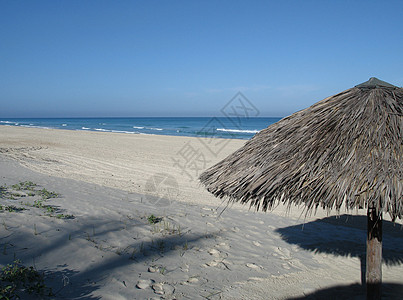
(345, 235)
(390, 291)
(73, 284)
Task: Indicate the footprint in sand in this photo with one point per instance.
(193, 280)
(207, 209)
(235, 229)
(253, 266)
(144, 283)
(213, 263)
(163, 289)
(283, 253)
(185, 268)
(214, 252)
(224, 246)
(158, 288)
(256, 243)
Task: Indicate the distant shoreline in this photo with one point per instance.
(214, 127)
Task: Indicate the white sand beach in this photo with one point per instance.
(97, 240)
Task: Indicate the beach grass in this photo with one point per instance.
(34, 197)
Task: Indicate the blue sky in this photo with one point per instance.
(189, 58)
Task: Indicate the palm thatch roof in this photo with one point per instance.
(347, 148)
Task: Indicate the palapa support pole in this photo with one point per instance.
(374, 254)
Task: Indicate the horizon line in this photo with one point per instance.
(121, 117)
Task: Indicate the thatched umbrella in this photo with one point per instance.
(344, 150)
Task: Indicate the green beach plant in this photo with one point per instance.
(24, 185)
(153, 219)
(45, 194)
(166, 228)
(16, 186)
(28, 185)
(50, 209)
(11, 196)
(38, 204)
(31, 190)
(17, 280)
(162, 270)
(11, 208)
(3, 190)
(63, 216)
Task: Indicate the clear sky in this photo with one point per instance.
(189, 58)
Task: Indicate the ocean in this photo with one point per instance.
(220, 127)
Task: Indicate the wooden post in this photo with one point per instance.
(374, 255)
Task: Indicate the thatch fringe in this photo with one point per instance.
(347, 149)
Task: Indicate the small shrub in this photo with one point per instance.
(16, 280)
(153, 219)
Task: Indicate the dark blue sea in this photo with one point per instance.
(220, 127)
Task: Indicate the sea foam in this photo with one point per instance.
(237, 130)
